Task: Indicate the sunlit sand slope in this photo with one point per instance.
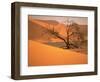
(43, 55)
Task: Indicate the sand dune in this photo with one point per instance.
(38, 32)
(43, 55)
(39, 27)
(61, 28)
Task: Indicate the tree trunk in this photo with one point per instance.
(67, 44)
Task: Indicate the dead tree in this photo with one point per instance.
(72, 33)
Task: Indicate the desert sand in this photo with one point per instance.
(43, 55)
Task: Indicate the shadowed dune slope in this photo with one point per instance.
(43, 55)
(38, 30)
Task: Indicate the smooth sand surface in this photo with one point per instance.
(44, 55)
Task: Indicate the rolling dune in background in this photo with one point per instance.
(44, 55)
(39, 28)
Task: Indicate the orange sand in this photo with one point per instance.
(43, 55)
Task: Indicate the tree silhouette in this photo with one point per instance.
(73, 37)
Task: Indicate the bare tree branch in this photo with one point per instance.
(72, 29)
